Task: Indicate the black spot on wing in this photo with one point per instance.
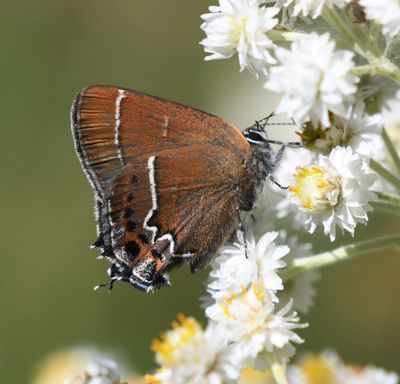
(131, 225)
(128, 213)
(132, 249)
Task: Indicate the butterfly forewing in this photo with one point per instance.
(165, 179)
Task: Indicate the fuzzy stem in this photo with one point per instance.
(386, 68)
(387, 208)
(391, 149)
(361, 70)
(389, 198)
(384, 173)
(380, 66)
(285, 36)
(304, 264)
(365, 46)
(340, 21)
(278, 370)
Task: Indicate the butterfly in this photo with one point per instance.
(169, 181)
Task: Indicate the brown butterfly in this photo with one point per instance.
(169, 180)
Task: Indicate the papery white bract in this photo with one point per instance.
(314, 79)
(79, 365)
(312, 8)
(189, 354)
(240, 26)
(101, 372)
(335, 191)
(327, 367)
(316, 368)
(384, 12)
(250, 321)
(233, 271)
(368, 375)
(292, 159)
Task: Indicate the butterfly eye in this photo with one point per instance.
(254, 136)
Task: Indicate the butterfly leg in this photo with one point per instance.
(280, 186)
(276, 161)
(290, 144)
(113, 272)
(279, 155)
(243, 232)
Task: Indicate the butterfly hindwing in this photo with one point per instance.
(165, 179)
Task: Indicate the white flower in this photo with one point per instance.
(299, 289)
(335, 191)
(384, 12)
(233, 271)
(240, 26)
(98, 371)
(292, 159)
(369, 375)
(317, 368)
(189, 354)
(361, 132)
(80, 365)
(249, 321)
(312, 8)
(327, 367)
(314, 79)
(102, 372)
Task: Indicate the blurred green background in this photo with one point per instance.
(49, 50)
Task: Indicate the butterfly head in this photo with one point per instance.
(260, 144)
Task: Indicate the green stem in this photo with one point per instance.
(362, 70)
(386, 68)
(340, 21)
(304, 264)
(364, 42)
(389, 209)
(379, 66)
(391, 149)
(285, 36)
(278, 370)
(384, 173)
(389, 198)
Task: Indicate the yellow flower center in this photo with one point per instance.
(183, 331)
(150, 379)
(238, 30)
(251, 376)
(316, 188)
(317, 371)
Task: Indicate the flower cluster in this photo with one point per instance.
(190, 354)
(384, 12)
(328, 89)
(240, 27)
(326, 367)
(249, 323)
(82, 365)
(314, 79)
(335, 65)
